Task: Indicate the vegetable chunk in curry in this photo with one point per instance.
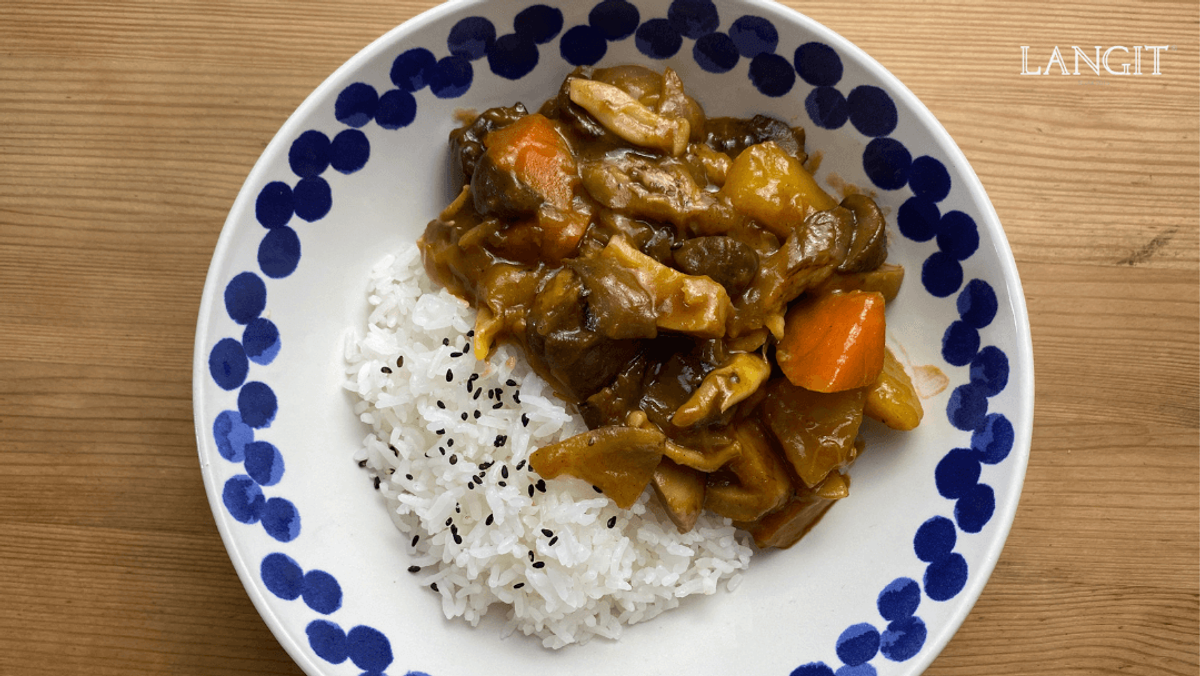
(683, 281)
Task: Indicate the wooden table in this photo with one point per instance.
(127, 128)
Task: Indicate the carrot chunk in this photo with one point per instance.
(541, 161)
(834, 342)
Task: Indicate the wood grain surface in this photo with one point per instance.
(128, 127)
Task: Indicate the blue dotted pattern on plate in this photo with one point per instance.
(898, 634)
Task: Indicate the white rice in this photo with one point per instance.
(491, 542)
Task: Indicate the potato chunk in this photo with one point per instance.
(773, 188)
(893, 400)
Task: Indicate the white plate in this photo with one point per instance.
(883, 581)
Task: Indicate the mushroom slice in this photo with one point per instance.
(868, 246)
(710, 461)
(618, 460)
(723, 387)
(626, 117)
(754, 483)
(680, 491)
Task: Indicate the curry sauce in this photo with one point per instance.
(682, 281)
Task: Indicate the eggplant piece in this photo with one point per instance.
(618, 460)
(725, 260)
(785, 526)
(886, 279)
(558, 338)
(817, 431)
(754, 483)
(732, 135)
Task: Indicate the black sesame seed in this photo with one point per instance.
(362, 463)
(477, 393)
(473, 378)
(457, 539)
(524, 420)
(449, 375)
(517, 396)
(500, 439)
(441, 432)
(391, 471)
(445, 341)
(400, 362)
(531, 490)
(477, 414)
(539, 564)
(464, 415)
(377, 483)
(449, 442)
(449, 520)
(457, 508)
(518, 585)
(520, 464)
(547, 532)
(471, 333)
(552, 541)
(414, 569)
(531, 555)
(597, 489)
(510, 382)
(455, 355)
(395, 451)
(497, 405)
(385, 369)
(470, 486)
(453, 459)
(442, 450)
(612, 521)
(489, 520)
(408, 476)
(441, 404)
(415, 539)
(541, 485)
(486, 465)
(501, 484)
(433, 586)
(470, 385)
(504, 471)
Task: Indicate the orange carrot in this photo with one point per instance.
(540, 158)
(834, 342)
(533, 149)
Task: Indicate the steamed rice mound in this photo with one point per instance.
(448, 449)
